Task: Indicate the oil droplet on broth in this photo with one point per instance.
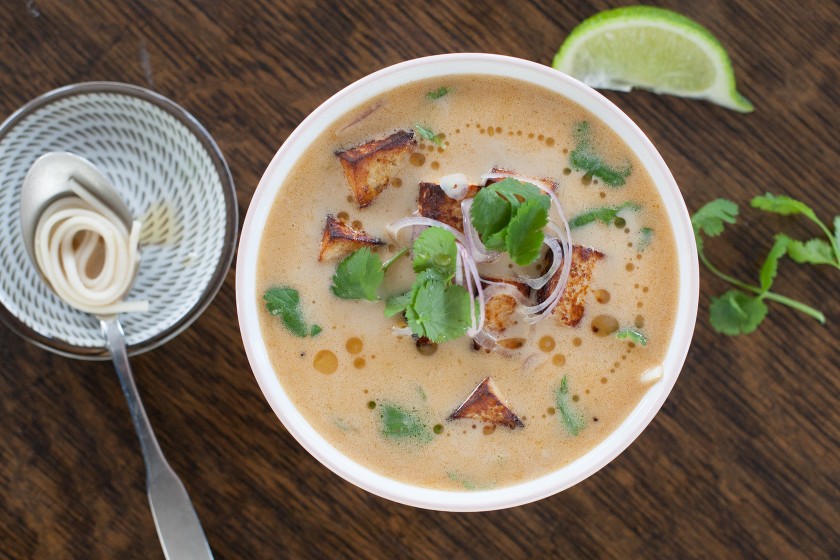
(435, 165)
(559, 360)
(396, 182)
(586, 180)
(354, 345)
(604, 325)
(630, 267)
(359, 363)
(343, 216)
(639, 322)
(417, 160)
(357, 224)
(487, 430)
(601, 296)
(546, 344)
(325, 362)
(577, 341)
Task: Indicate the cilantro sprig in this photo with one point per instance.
(400, 423)
(509, 216)
(285, 302)
(633, 334)
(573, 419)
(360, 274)
(583, 158)
(440, 92)
(606, 214)
(739, 311)
(813, 251)
(434, 307)
(428, 134)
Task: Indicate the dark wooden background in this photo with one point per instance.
(743, 461)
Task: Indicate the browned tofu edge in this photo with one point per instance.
(341, 239)
(485, 404)
(362, 162)
(570, 308)
(433, 203)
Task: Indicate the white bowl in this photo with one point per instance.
(360, 92)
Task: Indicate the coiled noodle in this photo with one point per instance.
(66, 239)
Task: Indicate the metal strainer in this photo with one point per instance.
(169, 172)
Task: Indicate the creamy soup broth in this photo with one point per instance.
(487, 122)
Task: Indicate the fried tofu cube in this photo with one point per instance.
(570, 308)
(369, 167)
(433, 203)
(499, 309)
(486, 404)
(340, 239)
(550, 182)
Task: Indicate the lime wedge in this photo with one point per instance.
(654, 49)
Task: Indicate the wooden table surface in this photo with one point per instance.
(743, 461)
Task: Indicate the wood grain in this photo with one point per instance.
(742, 461)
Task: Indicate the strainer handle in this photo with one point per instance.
(177, 524)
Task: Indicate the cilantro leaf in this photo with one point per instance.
(286, 303)
(315, 330)
(500, 205)
(438, 312)
(837, 232)
(572, 419)
(646, 238)
(440, 92)
(490, 213)
(813, 251)
(635, 335)
(525, 235)
(428, 134)
(735, 312)
(513, 190)
(783, 205)
(358, 276)
(710, 217)
(435, 249)
(603, 213)
(771, 263)
(399, 422)
(397, 304)
(583, 158)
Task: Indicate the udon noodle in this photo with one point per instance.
(69, 234)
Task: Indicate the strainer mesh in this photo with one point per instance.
(153, 161)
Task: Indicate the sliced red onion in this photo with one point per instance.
(538, 283)
(421, 221)
(455, 186)
(477, 249)
(473, 271)
(482, 338)
(534, 362)
(459, 271)
(504, 289)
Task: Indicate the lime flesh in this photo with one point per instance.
(654, 49)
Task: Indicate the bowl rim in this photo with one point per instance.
(523, 493)
(231, 211)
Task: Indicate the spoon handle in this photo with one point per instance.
(176, 522)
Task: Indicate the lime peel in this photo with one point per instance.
(654, 49)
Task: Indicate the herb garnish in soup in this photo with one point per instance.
(468, 283)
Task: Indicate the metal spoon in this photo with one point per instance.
(175, 518)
